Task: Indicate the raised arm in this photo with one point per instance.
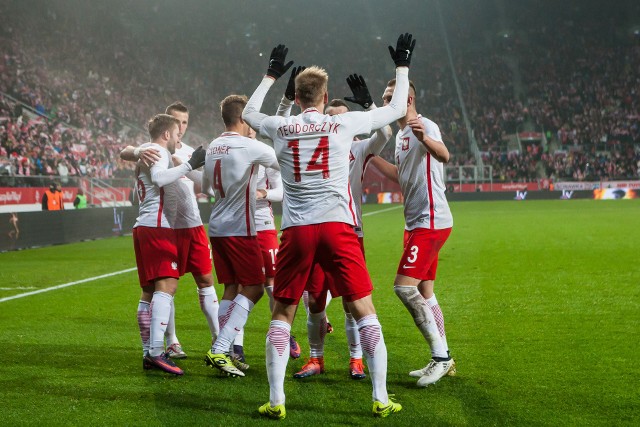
(284, 109)
(277, 68)
(397, 107)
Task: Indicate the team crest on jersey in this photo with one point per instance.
(174, 265)
(405, 144)
(351, 157)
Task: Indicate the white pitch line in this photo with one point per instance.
(65, 285)
(382, 210)
(19, 288)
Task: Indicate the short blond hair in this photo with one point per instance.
(311, 85)
(231, 109)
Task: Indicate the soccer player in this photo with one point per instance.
(419, 155)
(193, 244)
(361, 153)
(318, 213)
(155, 241)
(230, 174)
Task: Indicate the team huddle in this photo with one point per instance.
(316, 168)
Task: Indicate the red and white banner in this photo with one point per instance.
(32, 195)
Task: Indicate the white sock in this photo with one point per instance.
(239, 339)
(144, 324)
(439, 318)
(316, 330)
(160, 313)
(209, 306)
(422, 317)
(375, 351)
(329, 298)
(237, 317)
(277, 355)
(305, 300)
(269, 291)
(223, 313)
(170, 333)
(353, 337)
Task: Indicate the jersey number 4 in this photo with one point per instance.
(319, 160)
(217, 179)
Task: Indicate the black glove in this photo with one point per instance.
(277, 66)
(290, 93)
(361, 95)
(404, 48)
(197, 158)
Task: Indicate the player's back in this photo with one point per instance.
(231, 167)
(313, 152)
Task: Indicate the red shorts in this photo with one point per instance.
(319, 281)
(156, 254)
(268, 240)
(194, 251)
(420, 257)
(330, 246)
(237, 260)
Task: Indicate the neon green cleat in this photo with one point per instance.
(222, 362)
(381, 410)
(274, 412)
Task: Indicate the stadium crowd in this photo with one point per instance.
(576, 86)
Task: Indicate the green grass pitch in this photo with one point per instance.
(541, 303)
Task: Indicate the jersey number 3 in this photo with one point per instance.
(319, 160)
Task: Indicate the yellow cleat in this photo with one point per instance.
(274, 412)
(381, 410)
(224, 363)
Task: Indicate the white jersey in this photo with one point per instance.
(188, 212)
(313, 152)
(159, 191)
(421, 179)
(361, 152)
(230, 175)
(269, 180)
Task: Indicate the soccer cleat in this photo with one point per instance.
(381, 410)
(434, 371)
(175, 351)
(238, 363)
(329, 328)
(162, 362)
(315, 366)
(452, 370)
(274, 412)
(294, 348)
(222, 362)
(238, 351)
(146, 365)
(356, 369)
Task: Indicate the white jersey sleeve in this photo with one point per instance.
(421, 179)
(269, 180)
(231, 169)
(188, 214)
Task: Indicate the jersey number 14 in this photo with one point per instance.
(319, 159)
